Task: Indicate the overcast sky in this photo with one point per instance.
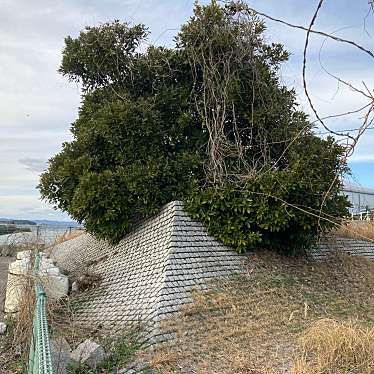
(37, 105)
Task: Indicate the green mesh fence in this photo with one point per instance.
(40, 361)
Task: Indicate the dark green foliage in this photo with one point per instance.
(129, 156)
(278, 210)
(115, 45)
(141, 139)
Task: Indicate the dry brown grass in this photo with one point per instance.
(14, 347)
(68, 236)
(62, 322)
(330, 346)
(253, 323)
(361, 230)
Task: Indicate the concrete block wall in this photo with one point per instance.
(150, 273)
(351, 246)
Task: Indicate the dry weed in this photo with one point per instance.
(14, 347)
(62, 322)
(301, 366)
(14, 350)
(361, 230)
(86, 280)
(252, 324)
(332, 347)
(68, 236)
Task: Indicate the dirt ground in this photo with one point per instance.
(4, 263)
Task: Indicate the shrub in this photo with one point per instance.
(207, 122)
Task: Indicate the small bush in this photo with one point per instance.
(122, 351)
(276, 211)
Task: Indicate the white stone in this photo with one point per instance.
(24, 255)
(49, 270)
(45, 266)
(20, 267)
(47, 260)
(3, 328)
(17, 277)
(53, 271)
(74, 286)
(14, 291)
(88, 352)
(56, 287)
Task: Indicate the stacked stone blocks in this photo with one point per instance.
(151, 272)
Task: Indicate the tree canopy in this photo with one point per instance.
(207, 122)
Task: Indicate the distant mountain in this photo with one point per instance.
(56, 223)
(9, 221)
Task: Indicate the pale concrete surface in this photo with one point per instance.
(4, 264)
(149, 274)
(56, 285)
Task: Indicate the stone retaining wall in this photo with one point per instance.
(150, 273)
(352, 246)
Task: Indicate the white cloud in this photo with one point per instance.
(34, 164)
(28, 207)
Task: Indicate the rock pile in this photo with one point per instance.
(86, 353)
(55, 284)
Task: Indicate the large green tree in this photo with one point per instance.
(207, 122)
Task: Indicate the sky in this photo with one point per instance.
(37, 105)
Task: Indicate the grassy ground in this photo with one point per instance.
(284, 316)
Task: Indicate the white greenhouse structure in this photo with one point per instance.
(361, 198)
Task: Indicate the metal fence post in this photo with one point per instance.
(40, 360)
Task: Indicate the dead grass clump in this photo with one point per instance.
(252, 323)
(62, 322)
(301, 366)
(332, 347)
(360, 230)
(87, 280)
(23, 319)
(68, 236)
(15, 348)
